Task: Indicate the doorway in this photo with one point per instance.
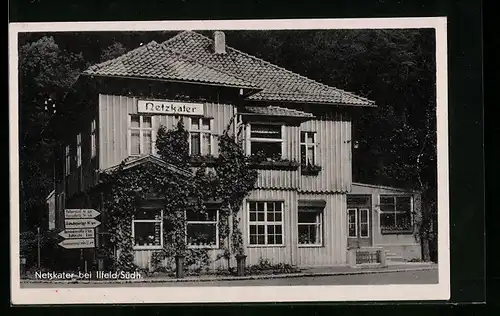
(359, 227)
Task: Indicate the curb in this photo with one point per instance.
(232, 278)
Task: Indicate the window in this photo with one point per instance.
(93, 144)
(67, 161)
(308, 148)
(352, 223)
(202, 229)
(141, 135)
(79, 150)
(200, 136)
(265, 223)
(266, 140)
(364, 227)
(147, 228)
(310, 228)
(395, 213)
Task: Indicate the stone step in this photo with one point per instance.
(395, 259)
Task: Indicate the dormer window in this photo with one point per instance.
(266, 140)
(140, 135)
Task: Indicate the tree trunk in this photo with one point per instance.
(424, 240)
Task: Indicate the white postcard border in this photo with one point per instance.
(203, 294)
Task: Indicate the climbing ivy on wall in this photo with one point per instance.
(230, 181)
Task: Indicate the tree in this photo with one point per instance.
(112, 51)
(46, 74)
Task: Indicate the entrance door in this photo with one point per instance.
(359, 227)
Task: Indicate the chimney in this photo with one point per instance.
(219, 42)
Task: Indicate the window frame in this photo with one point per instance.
(67, 160)
(307, 145)
(216, 222)
(142, 247)
(394, 230)
(201, 132)
(93, 138)
(319, 225)
(78, 150)
(141, 129)
(368, 232)
(355, 222)
(266, 223)
(265, 140)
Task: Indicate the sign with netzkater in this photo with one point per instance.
(169, 107)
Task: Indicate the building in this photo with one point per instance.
(304, 210)
(51, 208)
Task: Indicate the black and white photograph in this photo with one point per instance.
(229, 161)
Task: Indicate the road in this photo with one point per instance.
(411, 277)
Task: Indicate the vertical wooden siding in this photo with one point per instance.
(334, 156)
(113, 125)
(333, 251)
(275, 254)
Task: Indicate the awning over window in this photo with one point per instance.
(312, 204)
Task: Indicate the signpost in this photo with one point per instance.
(77, 233)
(81, 223)
(78, 243)
(79, 230)
(80, 213)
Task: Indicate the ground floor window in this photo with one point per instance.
(310, 227)
(265, 223)
(147, 228)
(202, 229)
(395, 213)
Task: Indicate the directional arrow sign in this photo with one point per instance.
(77, 233)
(81, 223)
(80, 213)
(77, 243)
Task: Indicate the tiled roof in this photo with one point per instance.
(189, 56)
(155, 61)
(133, 162)
(276, 111)
(278, 84)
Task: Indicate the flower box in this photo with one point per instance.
(276, 165)
(310, 170)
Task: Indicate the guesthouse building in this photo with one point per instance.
(305, 209)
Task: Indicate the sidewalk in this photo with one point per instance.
(306, 272)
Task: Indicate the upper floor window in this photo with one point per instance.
(93, 144)
(202, 229)
(395, 213)
(265, 223)
(79, 149)
(200, 136)
(141, 135)
(266, 140)
(308, 148)
(67, 160)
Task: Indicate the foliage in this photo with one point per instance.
(112, 51)
(236, 179)
(310, 169)
(46, 73)
(395, 68)
(264, 266)
(50, 251)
